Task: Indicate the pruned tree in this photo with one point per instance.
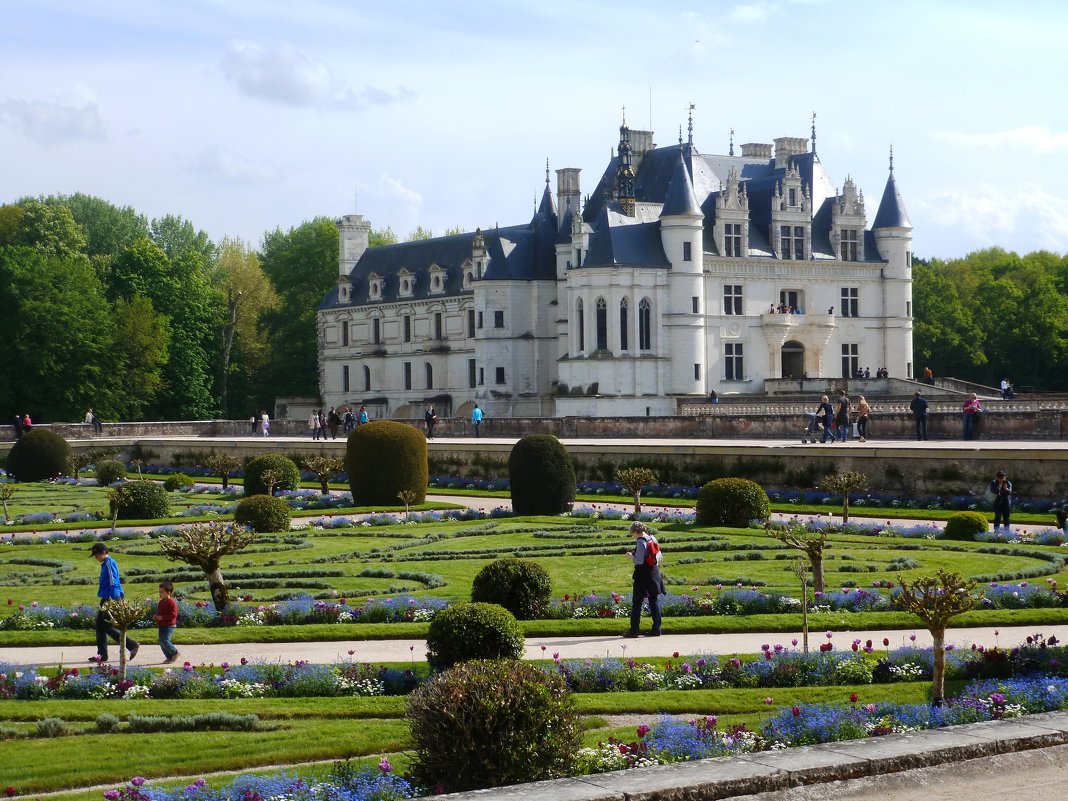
(124, 616)
(269, 478)
(936, 600)
(118, 497)
(811, 543)
(634, 479)
(79, 460)
(324, 466)
(7, 490)
(407, 497)
(204, 545)
(138, 463)
(222, 464)
(843, 484)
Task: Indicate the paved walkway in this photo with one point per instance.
(608, 645)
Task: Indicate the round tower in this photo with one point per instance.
(892, 231)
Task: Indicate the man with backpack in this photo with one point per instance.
(648, 583)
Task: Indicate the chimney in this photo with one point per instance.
(756, 150)
(567, 191)
(786, 146)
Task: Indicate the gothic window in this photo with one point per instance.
(580, 318)
(623, 324)
(645, 325)
(792, 242)
(850, 359)
(732, 298)
(602, 324)
(850, 301)
(732, 239)
(733, 362)
(849, 244)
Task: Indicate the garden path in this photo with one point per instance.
(536, 647)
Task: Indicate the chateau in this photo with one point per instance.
(681, 274)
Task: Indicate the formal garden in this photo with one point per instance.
(267, 559)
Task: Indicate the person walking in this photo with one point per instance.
(166, 618)
(841, 416)
(313, 424)
(349, 422)
(265, 424)
(109, 588)
(648, 581)
(969, 413)
(333, 421)
(19, 428)
(476, 419)
(1001, 488)
(863, 412)
(918, 405)
(825, 416)
(430, 417)
(362, 419)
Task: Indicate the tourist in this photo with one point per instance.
(27, 423)
(94, 421)
(350, 422)
(19, 428)
(863, 412)
(648, 582)
(1006, 389)
(476, 418)
(430, 417)
(841, 416)
(825, 417)
(333, 421)
(918, 405)
(969, 412)
(362, 419)
(166, 618)
(713, 396)
(265, 424)
(254, 421)
(1001, 489)
(928, 376)
(313, 424)
(109, 588)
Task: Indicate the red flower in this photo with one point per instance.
(797, 711)
(853, 698)
(643, 730)
(886, 642)
(675, 655)
(9, 790)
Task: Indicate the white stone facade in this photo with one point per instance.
(669, 283)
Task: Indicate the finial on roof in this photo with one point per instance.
(680, 134)
(731, 153)
(689, 127)
(813, 133)
(624, 116)
(546, 170)
(891, 159)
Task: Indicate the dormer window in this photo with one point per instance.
(406, 283)
(343, 293)
(469, 274)
(849, 244)
(438, 275)
(374, 287)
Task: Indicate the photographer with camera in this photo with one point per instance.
(1001, 489)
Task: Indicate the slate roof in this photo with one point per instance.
(891, 212)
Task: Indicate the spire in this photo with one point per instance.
(731, 153)
(625, 173)
(680, 199)
(546, 171)
(891, 212)
(680, 134)
(689, 126)
(814, 134)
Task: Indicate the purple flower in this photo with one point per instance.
(112, 795)
(137, 781)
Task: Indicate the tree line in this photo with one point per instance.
(151, 320)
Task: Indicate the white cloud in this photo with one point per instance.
(752, 12)
(52, 123)
(389, 187)
(1031, 138)
(234, 167)
(1026, 218)
(291, 77)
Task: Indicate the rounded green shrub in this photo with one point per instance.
(108, 471)
(384, 458)
(542, 476)
(492, 723)
(965, 525)
(146, 500)
(39, 456)
(521, 586)
(732, 502)
(262, 513)
(176, 481)
(287, 471)
(463, 632)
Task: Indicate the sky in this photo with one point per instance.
(244, 117)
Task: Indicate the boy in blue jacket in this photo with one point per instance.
(110, 588)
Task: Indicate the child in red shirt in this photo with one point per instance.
(166, 618)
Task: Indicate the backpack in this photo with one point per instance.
(653, 555)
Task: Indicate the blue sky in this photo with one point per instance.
(243, 116)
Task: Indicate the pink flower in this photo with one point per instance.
(912, 637)
(769, 700)
(137, 781)
(870, 709)
(643, 730)
(830, 634)
(793, 642)
(384, 765)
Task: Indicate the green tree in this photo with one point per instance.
(382, 236)
(108, 228)
(49, 229)
(302, 266)
(419, 232)
(843, 484)
(141, 349)
(944, 328)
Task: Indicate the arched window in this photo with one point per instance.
(429, 375)
(624, 322)
(602, 324)
(580, 317)
(645, 325)
(366, 378)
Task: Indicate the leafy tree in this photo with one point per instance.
(204, 546)
(141, 349)
(222, 464)
(810, 543)
(936, 600)
(108, 228)
(634, 479)
(382, 236)
(419, 232)
(944, 328)
(843, 484)
(324, 466)
(50, 230)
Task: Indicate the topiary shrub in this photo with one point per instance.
(262, 513)
(145, 500)
(472, 631)
(542, 476)
(38, 456)
(285, 469)
(492, 723)
(176, 481)
(732, 502)
(384, 458)
(965, 525)
(521, 586)
(108, 471)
